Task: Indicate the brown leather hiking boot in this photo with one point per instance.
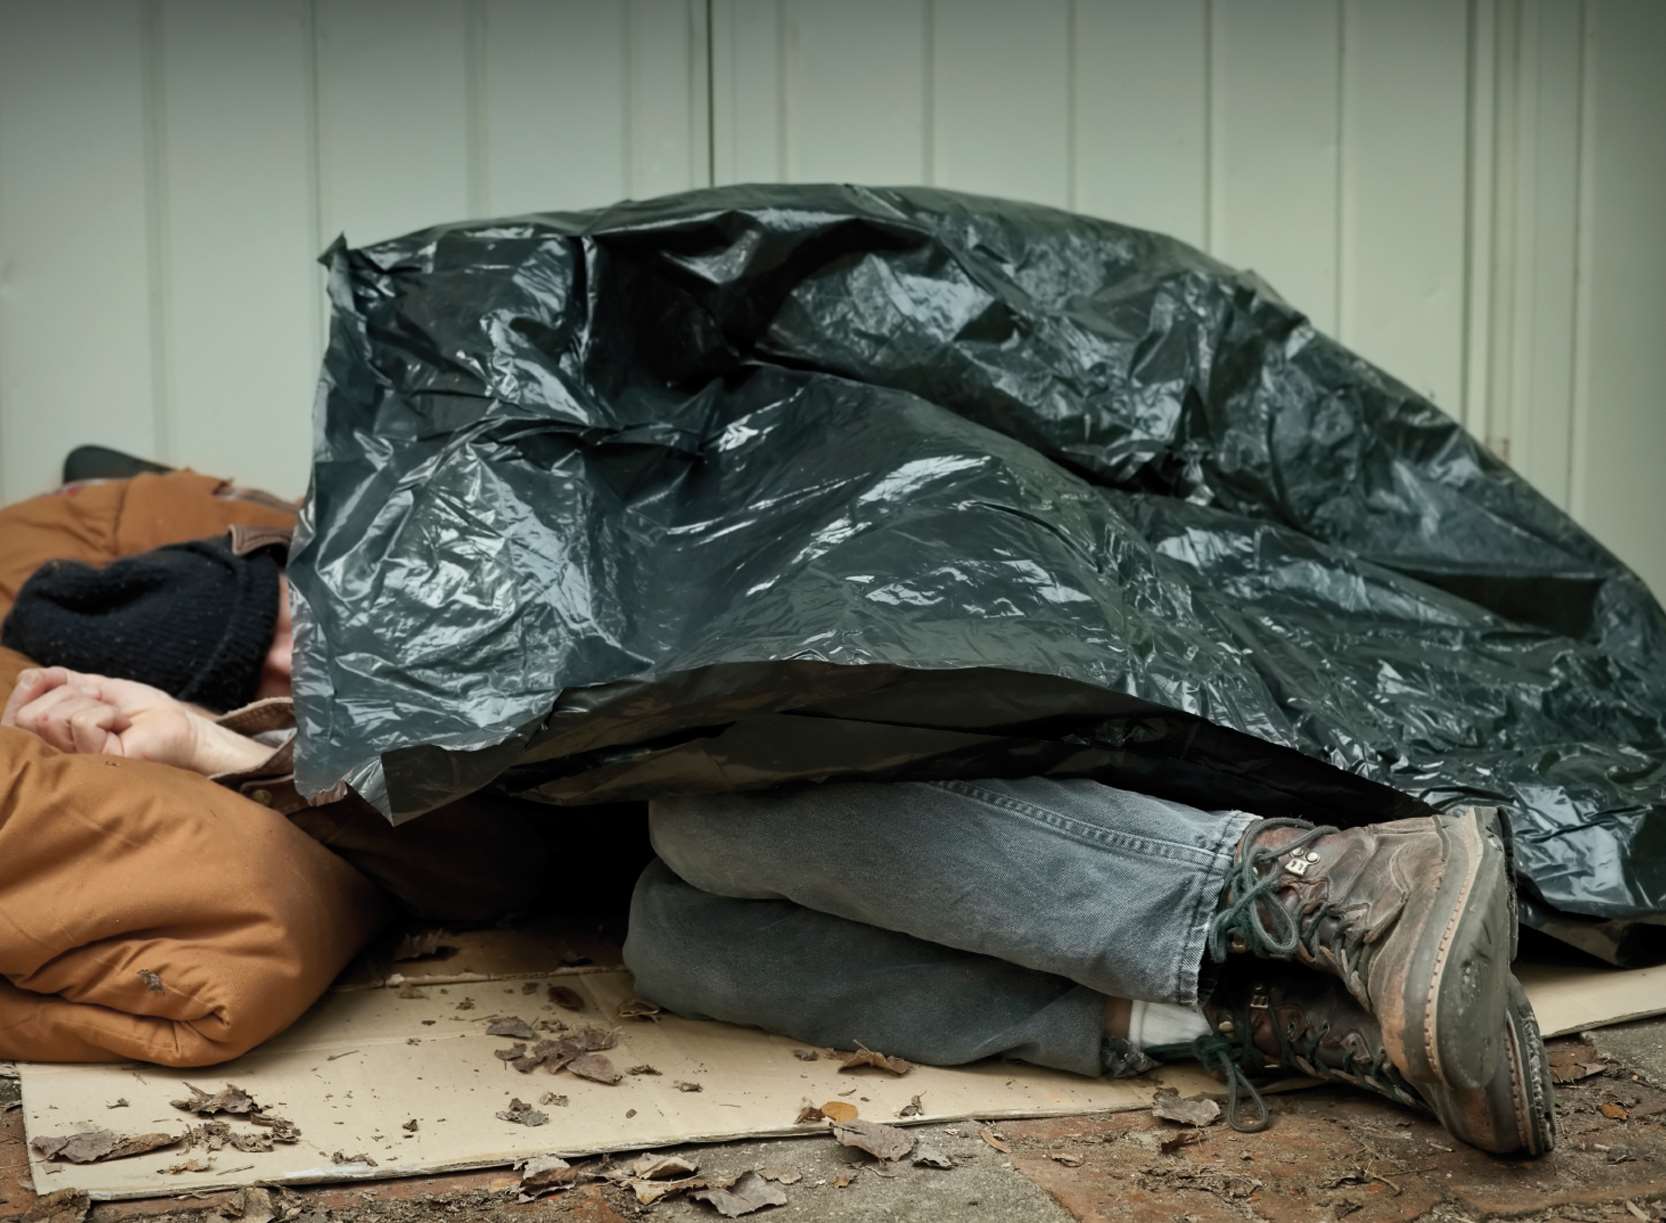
(1296, 1021)
(1416, 917)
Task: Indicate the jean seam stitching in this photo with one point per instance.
(1092, 834)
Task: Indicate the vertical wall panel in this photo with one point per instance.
(1404, 79)
(236, 291)
(1013, 139)
(1535, 421)
(806, 91)
(667, 101)
(553, 96)
(749, 109)
(1141, 114)
(75, 339)
(1275, 132)
(1619, 446)
(393, 116)
(856, 90)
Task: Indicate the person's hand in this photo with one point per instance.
(94, 714)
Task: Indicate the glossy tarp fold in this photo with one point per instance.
(759, 485)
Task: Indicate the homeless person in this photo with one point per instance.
(1064, 923)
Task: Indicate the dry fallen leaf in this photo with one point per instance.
(358, 1157)
(842, 1181)
(839, 1110)
(1613, 1111)
(864, 1056)
(512, 1026)
(521, 1113)
(547, 1173)
(1069, 1161)
(885, 1142)
(567, 998)
(662, 1167)
(555, 1101)
(195, 1164)
(283, 1130)
(592, 1039)
(750, 1193)
(809, 1115)
(1196, 1110)
(806, 1055)
(233, 1100)
(913, 1108)
(649, 1192)
(97, 1146)
(596, 1068)
(783, 1177)
(1573, 1061)
(995, 1140)
(645, 1068)
(516, 1050)
(411, 1126)
(638, 1008)
(931, 1157)
(253, 1205)
(251, 1143)
(685, 1086)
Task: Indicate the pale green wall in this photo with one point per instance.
(1472, 194)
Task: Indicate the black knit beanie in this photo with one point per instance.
(194, 620)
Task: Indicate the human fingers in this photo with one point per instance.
(94, 728)
(33, 684)
(51, 716)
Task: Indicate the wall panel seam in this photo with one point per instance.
(1579, 371)
(153, 84)
(1345, 221)
(1208, 125)
(477, 191)
(315, 171)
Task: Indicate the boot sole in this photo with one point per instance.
(1457, 984)
(1516, 1113)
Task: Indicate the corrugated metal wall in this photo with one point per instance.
(1474, 195)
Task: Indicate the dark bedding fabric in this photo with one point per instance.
(771, 484)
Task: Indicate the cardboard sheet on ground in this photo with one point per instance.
(370, 1059)
(367, 1061)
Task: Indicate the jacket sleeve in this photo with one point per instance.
(272, 782)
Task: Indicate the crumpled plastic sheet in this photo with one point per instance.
(761, 485)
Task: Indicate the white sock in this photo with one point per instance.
(1151, 1025)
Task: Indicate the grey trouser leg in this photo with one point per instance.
(828, 981)
(1107, 888)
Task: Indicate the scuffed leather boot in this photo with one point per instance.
(1300, 1022)
(1416, 917)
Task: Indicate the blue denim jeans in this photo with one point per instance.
(940, 921)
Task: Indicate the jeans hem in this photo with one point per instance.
(1190, 987)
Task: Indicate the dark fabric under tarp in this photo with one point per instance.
(768, 484)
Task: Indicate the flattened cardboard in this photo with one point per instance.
(1577, 997)
(350, 1077)
(367, 1060)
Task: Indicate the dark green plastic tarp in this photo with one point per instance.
(765, 484)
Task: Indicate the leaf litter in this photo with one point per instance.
(1199, 1111)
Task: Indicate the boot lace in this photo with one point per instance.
(1243, 915)
(1225, 1057)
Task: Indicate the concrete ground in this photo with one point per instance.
(1330, 1155)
